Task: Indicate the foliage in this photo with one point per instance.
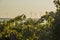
(56, 23)
(21, 28)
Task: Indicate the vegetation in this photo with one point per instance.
(21, 28)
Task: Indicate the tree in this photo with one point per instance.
(56, 23)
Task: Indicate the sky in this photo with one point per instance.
(31, 8)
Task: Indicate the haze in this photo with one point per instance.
(31, 8)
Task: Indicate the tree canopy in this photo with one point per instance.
(21, 28)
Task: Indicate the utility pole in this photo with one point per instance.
(30, 14)
(6, 14)
(35, 15)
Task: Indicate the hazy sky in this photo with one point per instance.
(13, 8)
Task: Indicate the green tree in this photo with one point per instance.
(56, 23)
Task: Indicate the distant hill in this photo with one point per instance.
(6, 19)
